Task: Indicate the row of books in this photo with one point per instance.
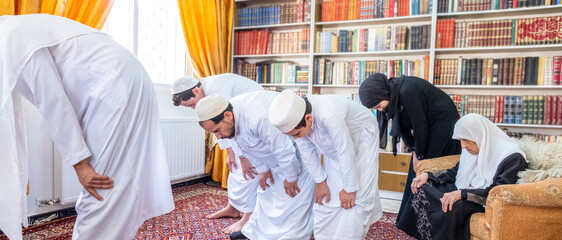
(294, 12)
(450, 6)
(512, 32)
(539, 137)
(341, 10)
(374, 39)
(271, 72)
(502, 71)
(257, 42)
(545, 110)
(355, 72)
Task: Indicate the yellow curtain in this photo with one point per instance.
(19, 7)
(92, 13)
(207, 28)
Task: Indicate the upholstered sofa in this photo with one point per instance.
(513, 211)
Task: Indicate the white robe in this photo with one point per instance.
(346, 133)
(277, 215)
(241, 192)
(95, 97)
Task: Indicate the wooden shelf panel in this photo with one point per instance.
(549, 48)
(512, 12)
(372, 54)
(275, 26)
(287, 55)
(375, 21)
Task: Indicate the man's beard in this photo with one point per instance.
(232, 133)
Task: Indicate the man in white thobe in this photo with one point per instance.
(284, 203)
(346, 133)
(242, 185)
(100, 108)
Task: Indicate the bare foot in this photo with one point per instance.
(238, 225)
(228, 211)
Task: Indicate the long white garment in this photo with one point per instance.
(277, 215)
(241, 192)
(98, 100)
(346, 133)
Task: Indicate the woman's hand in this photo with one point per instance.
(449, 199)
(418, 181)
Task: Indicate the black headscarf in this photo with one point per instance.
(375, 89)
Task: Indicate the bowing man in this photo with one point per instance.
(346, 195)
(99, 106)
(242, 184)
(284, 200)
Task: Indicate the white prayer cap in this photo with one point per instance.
(210, 107)
(184, 83)
(286, 111)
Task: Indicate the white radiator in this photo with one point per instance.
(184, 141)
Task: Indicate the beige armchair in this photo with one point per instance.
(513, 211)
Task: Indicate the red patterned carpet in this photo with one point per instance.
(188, 220)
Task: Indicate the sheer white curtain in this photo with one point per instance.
(151, 30)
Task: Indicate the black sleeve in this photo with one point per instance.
(415, 103)
(506, 174)
(444, 176)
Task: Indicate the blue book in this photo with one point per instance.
(519, 109)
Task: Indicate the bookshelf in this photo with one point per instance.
(425, 56)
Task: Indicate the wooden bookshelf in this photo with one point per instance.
(316, 25)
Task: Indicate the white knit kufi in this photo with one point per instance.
(286, 111)
(210, 107)
(183, 83)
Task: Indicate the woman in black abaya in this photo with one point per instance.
(422, 115)
(443, 201)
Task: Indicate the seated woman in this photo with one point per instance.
(443, 201)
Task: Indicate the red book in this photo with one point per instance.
(501, 106)
(553, 110)
(391, 8)
(497, 111)
(559, 110)
(548, 110)
(556, 66)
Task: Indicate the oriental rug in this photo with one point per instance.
(188, 222)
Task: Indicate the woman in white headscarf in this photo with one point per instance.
(443, 201)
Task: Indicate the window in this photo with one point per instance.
(152, 31)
